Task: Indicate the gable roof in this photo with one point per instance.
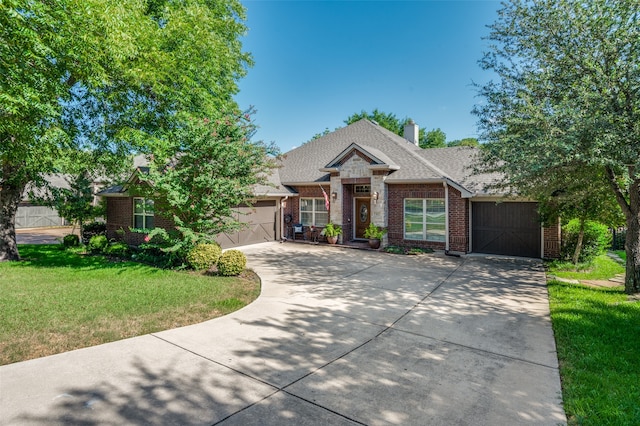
(312, 162)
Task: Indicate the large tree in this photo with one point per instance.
(567, 97)
(106, 77)
(385, 119)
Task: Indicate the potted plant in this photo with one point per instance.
(374, 234)
(332, 232)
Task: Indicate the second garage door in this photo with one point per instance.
(261, 221)
(506, 228)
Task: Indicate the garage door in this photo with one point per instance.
(37, 217)
(261, 220)
(506, 228)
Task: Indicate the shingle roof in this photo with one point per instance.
(304, 164)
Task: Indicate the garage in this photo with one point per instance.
(261, 225)
(30, 216)
(507, 228)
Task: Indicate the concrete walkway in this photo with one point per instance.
(338, 336)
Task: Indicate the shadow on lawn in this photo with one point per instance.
(55, 256)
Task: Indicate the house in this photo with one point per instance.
(424, 197)
(263, 217)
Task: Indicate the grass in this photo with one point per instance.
(602, 268)
(55, 300)
(597, 334)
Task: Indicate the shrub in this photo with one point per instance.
(232, 262)
(97, 243)
(597, 238)
(71, 240)
(203, 256)
(92, 229)
(117, 249)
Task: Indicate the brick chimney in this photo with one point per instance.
(411, 132)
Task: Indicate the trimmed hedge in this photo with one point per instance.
(232, 262)
(98, 243)
(203, 256)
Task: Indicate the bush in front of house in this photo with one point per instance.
(97, 243)
(596, 240)
(232, 262)
(117, 249)
(92, 229)
(71, 240)
(203, 256)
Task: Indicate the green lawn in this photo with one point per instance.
(54, 301)
(598, 340)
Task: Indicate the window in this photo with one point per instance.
(362, 189)
(143, 213)
(313, 212)
(424, 219)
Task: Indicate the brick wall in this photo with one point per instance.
(458, 216)
(120, 216)
(293, 203)
(551, 235)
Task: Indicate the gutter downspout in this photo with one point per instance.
(446, 217)
(282, 201)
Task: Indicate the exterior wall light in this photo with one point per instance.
(334, 195)
(374, 197)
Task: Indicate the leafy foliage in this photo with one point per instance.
(87, 81)
(435, 138)
(596, 240)
(203, 256)
(98, 243)
(374, 232)
(71, 240)
(331, 230)
(232, 262)
(566, 106)
(206, 169)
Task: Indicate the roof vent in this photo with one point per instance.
(375, 122)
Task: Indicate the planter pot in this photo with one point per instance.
(374, 243)
(332, 240)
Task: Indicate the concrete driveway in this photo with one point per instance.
(338, 336)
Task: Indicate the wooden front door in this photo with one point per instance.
(362, 216)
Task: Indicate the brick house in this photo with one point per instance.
(424, 198)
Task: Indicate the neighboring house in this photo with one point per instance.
(33, 215)
(424, 198)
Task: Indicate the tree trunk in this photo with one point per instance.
(576, 253)
(631, 210)
(10, 196)
(632, 243)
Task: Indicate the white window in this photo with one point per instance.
(143, 216)
(313, 212)
(424, 219)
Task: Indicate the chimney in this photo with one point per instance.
(411, 133)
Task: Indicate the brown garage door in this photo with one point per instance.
(261, 220)
(506, 228)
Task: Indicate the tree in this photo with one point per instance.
(434, 138)
(75, 203)
(567, 97)
(206, 169)
(464, 142)
(387, 120)
(105, 77)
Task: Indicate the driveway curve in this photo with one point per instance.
(337, 336)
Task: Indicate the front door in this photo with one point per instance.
(363, 216)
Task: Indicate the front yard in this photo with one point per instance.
(597, 332)
(55, 301)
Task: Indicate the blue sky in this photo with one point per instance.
(318, 62)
